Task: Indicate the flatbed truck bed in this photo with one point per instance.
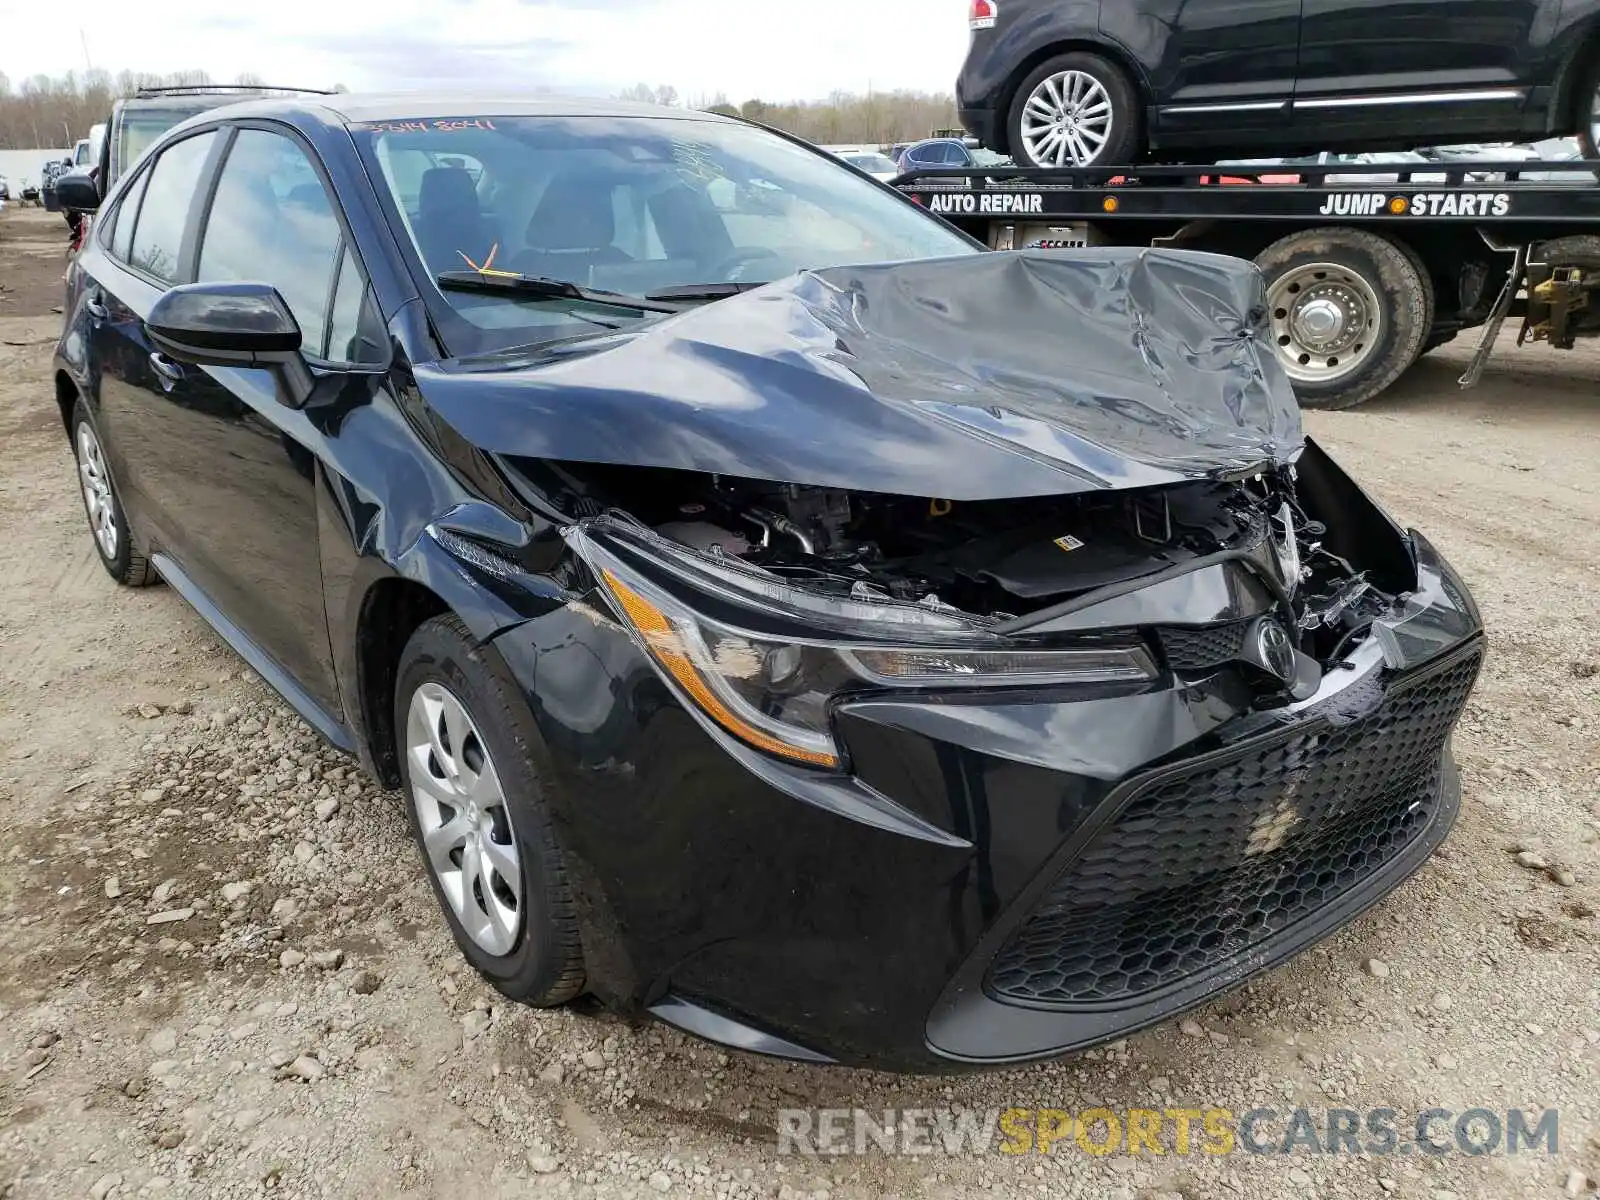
(1367, 266)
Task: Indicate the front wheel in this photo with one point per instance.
(468, 753)
(1589, 118)
(1076, 110)
(1349, 311)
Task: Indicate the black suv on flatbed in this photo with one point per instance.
(1062, 83)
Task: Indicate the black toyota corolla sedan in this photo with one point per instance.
(778, 613)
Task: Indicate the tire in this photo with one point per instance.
(540, 960)
(121, 554)
(1349, 312)
(1579, 250)
(1098, 78)
(1434, 338)
(1589, 115)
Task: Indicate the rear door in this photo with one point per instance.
(1425, 67)
(144, 256)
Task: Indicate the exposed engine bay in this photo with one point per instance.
(998, 560)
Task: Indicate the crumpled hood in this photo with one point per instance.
(979, 377)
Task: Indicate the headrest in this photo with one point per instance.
(574, 214)
(688, 224)
(447, 188)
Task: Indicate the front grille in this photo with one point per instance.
(1197, 649)
(1205, 865)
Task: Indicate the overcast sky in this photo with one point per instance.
(774, 49)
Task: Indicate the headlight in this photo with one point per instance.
(774, 692)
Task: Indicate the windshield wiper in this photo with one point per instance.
(553, 289)
(702, 291)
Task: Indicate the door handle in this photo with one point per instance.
(95, 309)
(169, 371)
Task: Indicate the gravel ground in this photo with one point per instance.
(225, 974)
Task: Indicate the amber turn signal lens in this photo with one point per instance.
(666, 644)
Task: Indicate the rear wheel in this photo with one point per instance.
(1349, 311)
(123, 560)
(1076, 110)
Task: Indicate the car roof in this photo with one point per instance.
(356, 108)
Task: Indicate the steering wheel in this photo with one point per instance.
(731, 268)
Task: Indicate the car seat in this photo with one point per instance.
(689, 226)
(450, 221)
(573, 230)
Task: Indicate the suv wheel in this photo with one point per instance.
(1349, 311)
(1076, 110)
(1589, 118)
(123, 561)
(468, 748)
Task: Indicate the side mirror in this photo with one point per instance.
(233, 325)
(77, 191)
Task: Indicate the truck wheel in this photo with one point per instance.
(1349, 311)
(1580, 250)
(1073, 111)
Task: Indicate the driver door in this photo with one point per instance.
(247, 498)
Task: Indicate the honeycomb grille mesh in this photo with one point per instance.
(1197, 649)
(1205, 865)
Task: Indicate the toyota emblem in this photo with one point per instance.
(1277, 652)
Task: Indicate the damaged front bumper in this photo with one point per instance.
(988, 875)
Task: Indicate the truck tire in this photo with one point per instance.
(1075, 110)
(1579, 250)
(1349, 311)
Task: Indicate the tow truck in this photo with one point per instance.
(1368, 266)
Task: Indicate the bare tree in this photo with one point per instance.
(42, 110)
(643, 93)
(878, 119)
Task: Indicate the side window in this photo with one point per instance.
(127, 214)
(272, 222)
(158, 234)
(354, 333)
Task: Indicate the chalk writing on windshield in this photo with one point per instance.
(438, 125)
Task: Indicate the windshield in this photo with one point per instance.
(141, 127)
(873, 164)
(636, 205)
